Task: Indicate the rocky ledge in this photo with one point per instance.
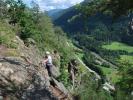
(22, 81)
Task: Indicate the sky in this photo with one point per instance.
(54, 4)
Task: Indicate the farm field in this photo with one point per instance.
(118, 46)
(111, 74)
(127, 58)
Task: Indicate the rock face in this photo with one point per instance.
(21, 80)
(55, 72)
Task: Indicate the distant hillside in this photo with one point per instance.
(64, 21)
(56, 13)
(73, 22)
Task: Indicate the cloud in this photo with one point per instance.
(55, 4)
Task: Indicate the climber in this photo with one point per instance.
(48, 62)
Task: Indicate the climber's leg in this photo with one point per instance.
(49, 69)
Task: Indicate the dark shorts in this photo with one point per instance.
(48, 66)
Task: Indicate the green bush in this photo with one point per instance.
(7, 34)
(3, 40)
(88, 89)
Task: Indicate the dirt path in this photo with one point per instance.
(103, 60)
(92, 71)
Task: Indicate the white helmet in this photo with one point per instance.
(47, 52)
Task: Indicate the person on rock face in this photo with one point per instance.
(48, 62)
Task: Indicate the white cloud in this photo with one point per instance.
(55, 4)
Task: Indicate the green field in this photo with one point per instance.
(111, 74)
(118, 46)
(127, 58)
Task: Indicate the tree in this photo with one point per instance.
(115, 7)
(120, 7)
(126, 72)
(3, 9)
(16, 10)
(35, 11)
